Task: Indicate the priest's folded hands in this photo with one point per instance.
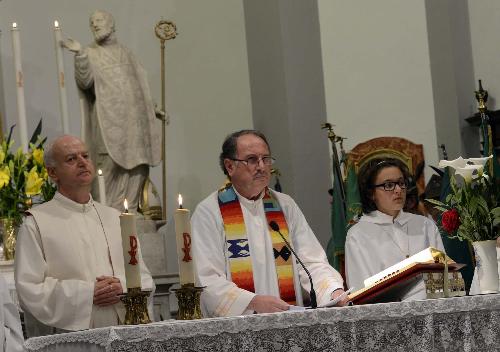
(107, 291)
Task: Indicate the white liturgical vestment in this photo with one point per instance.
(11, 334)
(221, 297)
(61, 249)
(377, 242)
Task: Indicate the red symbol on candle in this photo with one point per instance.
(133, 250)
(187, 247)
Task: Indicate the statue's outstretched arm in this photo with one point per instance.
(72, 45)
(83, 72)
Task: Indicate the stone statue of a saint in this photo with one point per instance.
(121, 127)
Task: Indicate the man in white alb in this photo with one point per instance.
(69, 267)
(245, 266)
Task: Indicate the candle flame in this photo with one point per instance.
(56, 24)
(125, 205)
(99, 172)
(180, 201)
(14, 25)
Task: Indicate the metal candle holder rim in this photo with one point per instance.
(135, 291)
(188, 287)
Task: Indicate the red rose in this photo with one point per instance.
(450, 220)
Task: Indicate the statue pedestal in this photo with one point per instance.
(164, 283)
(153, 248)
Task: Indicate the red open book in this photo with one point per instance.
(391, 284)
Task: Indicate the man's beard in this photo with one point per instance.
(102, 35)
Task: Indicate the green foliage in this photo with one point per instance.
(477, 203)
(23, 176)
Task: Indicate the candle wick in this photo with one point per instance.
(180, 206)
(126, 211)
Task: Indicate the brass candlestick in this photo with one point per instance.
(482, 98)
(188, 297)
(136, 304)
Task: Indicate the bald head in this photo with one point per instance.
(68, 162)
(69, 166)
(54, 145)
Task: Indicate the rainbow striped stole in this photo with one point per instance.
(240, 262)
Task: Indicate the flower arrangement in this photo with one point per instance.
(471, 211)
(23, 178)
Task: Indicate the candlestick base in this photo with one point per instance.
(136, 305)
(188, 297)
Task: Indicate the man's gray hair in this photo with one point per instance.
(48, 153)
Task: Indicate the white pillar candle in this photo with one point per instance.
(82, 121)
(130, 246)
(21, 107)
(183, 239)
(102, 187)
(1, 116)
(63, 102)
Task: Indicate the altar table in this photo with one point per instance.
(452, 324)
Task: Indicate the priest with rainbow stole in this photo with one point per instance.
(245, 265)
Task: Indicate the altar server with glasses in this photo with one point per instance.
(240, 256)
(385, 234)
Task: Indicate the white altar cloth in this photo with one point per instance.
(452, 324)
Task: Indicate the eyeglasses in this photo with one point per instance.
(254, 161)
(391, 185)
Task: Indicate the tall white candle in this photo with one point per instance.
(63, 102)
(82, 120)
(1, 117)
(102, 187)
(183, 240)
(21, 107)
(130, 246)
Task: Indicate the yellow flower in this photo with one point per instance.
(38, 156)
(4, 176)
(19, 154)
(2, 156)
(33, 182)
(44, 174)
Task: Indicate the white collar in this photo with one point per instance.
(377, 217)
(72, 205)
(249, 202)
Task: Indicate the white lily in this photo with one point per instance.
(479, 161)
(455, 164)
(469, 172)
